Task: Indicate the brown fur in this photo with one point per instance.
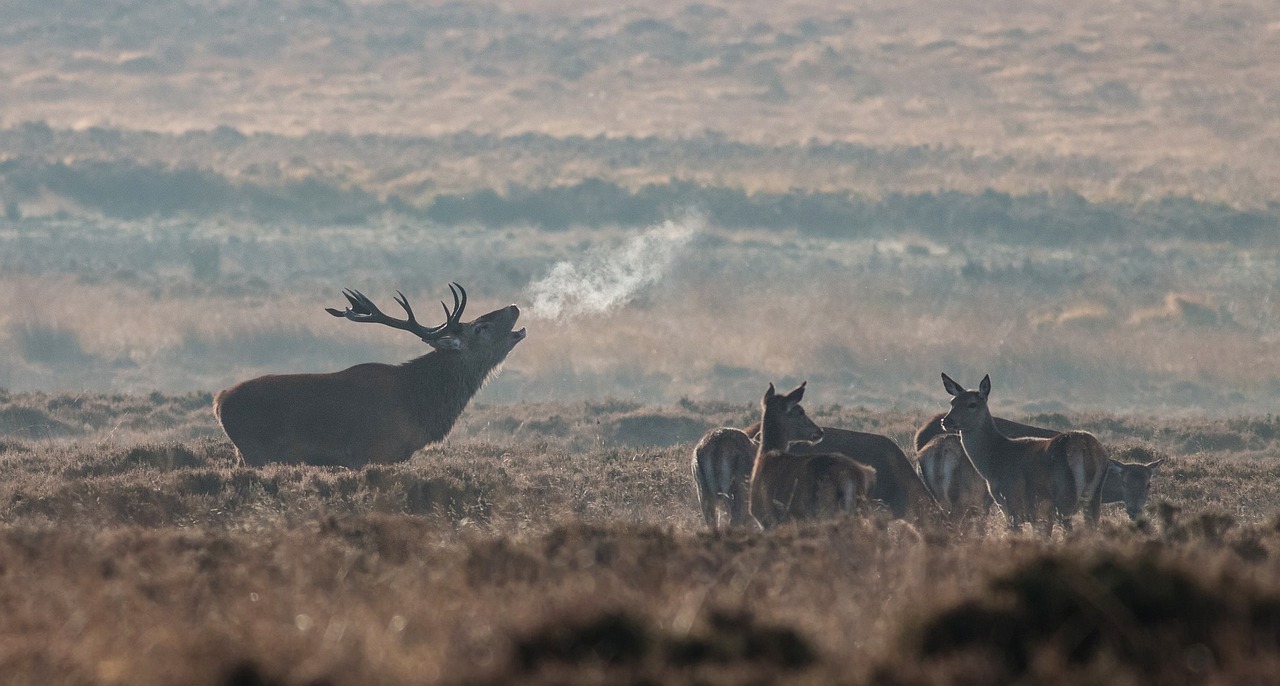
(721, 467)
(1129, 483)
(897, 484)
(787, 486)
(1033, 479)
(958, 486)
(369, 413)
(951, 478)
(933, 428)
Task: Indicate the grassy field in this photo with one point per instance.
(688, 201)
(561, 543)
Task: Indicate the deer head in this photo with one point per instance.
(491, 333)
(969, 411)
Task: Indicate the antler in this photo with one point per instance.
(363, 310)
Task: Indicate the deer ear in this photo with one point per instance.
(1155, 465)
(1114, 467)
(446, 343)
(769, 392)
(796, 395)
(984, 388)
(952, 387)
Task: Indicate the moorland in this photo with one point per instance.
(689, 200)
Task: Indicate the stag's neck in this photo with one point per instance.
(986, 447)
(440, 386)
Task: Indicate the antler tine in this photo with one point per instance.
(404, 303)
(363, 310)
(458, 306)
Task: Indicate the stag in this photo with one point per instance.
(370, 413)
(1028, 476)
(786, 486)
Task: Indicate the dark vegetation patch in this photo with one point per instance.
(652, 428)
(625, 648)
(1140, 617)
(128, 190)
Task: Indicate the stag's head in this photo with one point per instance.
(788, 418)
(968, 408)
(488, 336)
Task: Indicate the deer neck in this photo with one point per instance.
(986, 447)
(439, 388)
(771, 434)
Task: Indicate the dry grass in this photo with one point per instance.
(1133, 101)
(1148, 327)
(514, 556)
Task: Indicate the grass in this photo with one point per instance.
(554, 537)
(515, 556)
(1142, 326)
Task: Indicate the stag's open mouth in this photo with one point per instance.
(519, 334)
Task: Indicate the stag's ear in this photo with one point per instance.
(446, 343)
(796, 395)
(984, 388)
(952, 387)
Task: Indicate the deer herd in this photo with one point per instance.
(783, 468)
(969, 461)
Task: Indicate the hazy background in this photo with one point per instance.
(687, 199)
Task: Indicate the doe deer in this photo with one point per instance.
(1031, 478)
(962, 492)
(786, 486)
(370, 413)
(721, 469)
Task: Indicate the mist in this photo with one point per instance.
(607, 278)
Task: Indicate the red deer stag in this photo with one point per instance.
(1028, 476)
(786, 486)
(370, 413)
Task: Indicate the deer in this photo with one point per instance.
(961, 491)
(897, 486)
(721, 467)
(1028, 477)
(722, 462)
(723, 458)
(371, 413)
(1008, 427)
(1129, 483)
(946, 471)
(785, 486)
